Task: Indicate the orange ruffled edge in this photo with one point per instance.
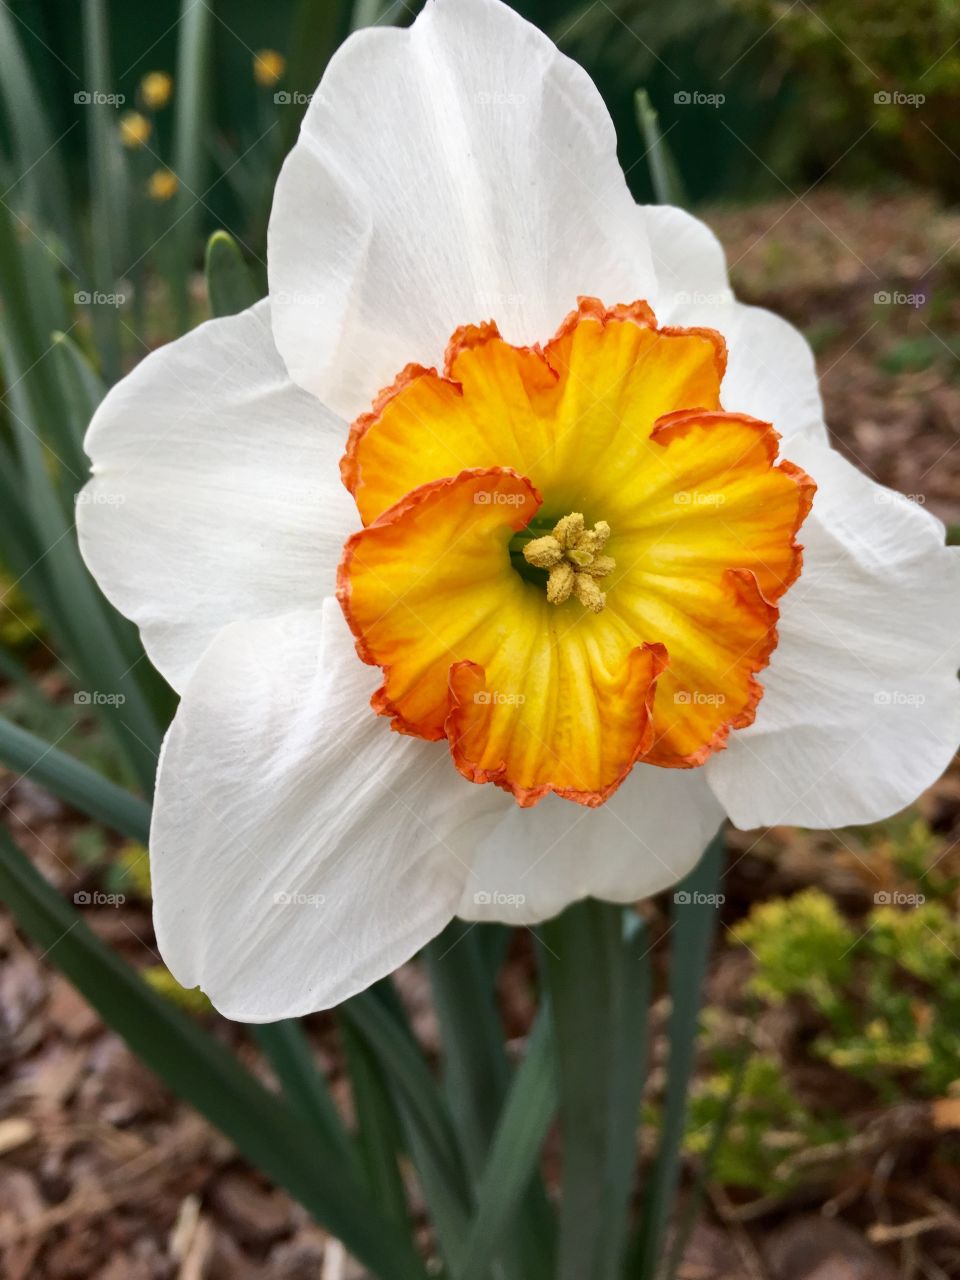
(468, 336)
(750, 596)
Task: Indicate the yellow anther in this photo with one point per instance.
(572, 554)
(588, 593)
(568, 530)
(543, 552)
(560, 583)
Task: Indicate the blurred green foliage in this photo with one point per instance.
(880, 77)
(769, 1125)
(887, 990)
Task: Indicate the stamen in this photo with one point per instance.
(572, 555)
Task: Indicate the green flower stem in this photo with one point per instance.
(597, 973)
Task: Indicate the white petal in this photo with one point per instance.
(215, 494)
(861, 710)
(646, 837)
(458, 171)
(771, 372)
(300, 848)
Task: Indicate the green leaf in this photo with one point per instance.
(230, 285)
(667, 183)
(191, 127)
(78, 612)
(107, 180)
(476, 1074)
(427, 1124)
(204, 1073)
(304, 1085)
(475, 1069)
(694, 917)
(37, 159)
(318, 28)
(378, 1126)
(514, 1156)
(73, 782)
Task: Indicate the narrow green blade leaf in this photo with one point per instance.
(475, 1068)
(667, 183)
(318, 28)
(204, 1073)
(427, 1124)
(476, 1075)
(691, 938)
(304, 1085)
(41, 179)
(378, 1127)
(191, 127)
(230, 286)
(107, 176)
(73, 782)
(512, 1164)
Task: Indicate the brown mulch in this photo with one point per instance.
(105, 1176)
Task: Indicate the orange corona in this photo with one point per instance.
(572, 555)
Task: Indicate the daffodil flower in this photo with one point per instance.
(500, 553)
